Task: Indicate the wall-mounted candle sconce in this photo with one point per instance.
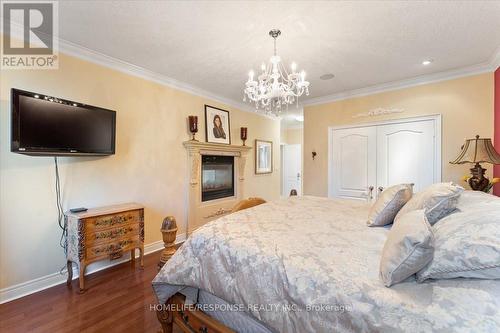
(193, 126)
(314, 154)
(243, 134)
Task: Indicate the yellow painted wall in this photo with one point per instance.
(149, 167)
(292, 136)
(466, 106)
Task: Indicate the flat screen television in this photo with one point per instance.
(50, 126)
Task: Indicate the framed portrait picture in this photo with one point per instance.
(263, 156)
(217, 125)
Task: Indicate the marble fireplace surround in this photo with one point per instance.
(200, 212)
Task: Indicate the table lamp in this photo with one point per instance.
(478, 151)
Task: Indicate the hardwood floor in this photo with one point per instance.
(116, 300)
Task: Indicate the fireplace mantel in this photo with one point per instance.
(202, 212)
(196, 146)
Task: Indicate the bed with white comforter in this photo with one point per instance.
(308, 264)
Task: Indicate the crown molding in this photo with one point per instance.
(101, 59)
(98, 58)
(489, 66)
(87, 54)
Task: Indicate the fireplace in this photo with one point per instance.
(216, 180)
(217, 177)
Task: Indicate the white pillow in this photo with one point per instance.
(408, 248)
(438, 200)
(467, 243)
(388, 205)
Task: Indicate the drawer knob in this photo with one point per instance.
(116, 255)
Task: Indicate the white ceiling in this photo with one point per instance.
(213, 45)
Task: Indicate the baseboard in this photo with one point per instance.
(29, 287)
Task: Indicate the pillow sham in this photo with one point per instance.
(388, 204)
(409, 248)
(438, 200)
(467, 244)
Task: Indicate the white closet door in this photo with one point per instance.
(354, 162)
(406, 153)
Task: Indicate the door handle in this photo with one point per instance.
(380, 189)
(370, 191)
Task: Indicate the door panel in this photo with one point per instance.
(406, 154)
(292, 169)
(354, 162)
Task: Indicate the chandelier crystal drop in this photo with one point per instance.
(275, 86)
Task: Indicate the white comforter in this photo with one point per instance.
(310, 264)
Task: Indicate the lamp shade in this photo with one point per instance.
(477, 151)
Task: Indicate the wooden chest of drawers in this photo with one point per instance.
(104, 233)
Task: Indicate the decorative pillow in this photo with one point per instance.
(388, 205)
(467, 244)
(438, 200)
(408, 248)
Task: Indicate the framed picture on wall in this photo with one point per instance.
(263, 156)
(217, 125)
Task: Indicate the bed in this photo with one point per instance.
(309, 264)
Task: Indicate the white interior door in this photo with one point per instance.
(354, 162)
(406, 153)
(292, 169)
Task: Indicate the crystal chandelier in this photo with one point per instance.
(275, 87)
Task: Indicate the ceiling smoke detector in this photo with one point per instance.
(327, 76)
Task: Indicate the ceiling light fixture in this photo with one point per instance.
(275, 87)
(427, 62)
